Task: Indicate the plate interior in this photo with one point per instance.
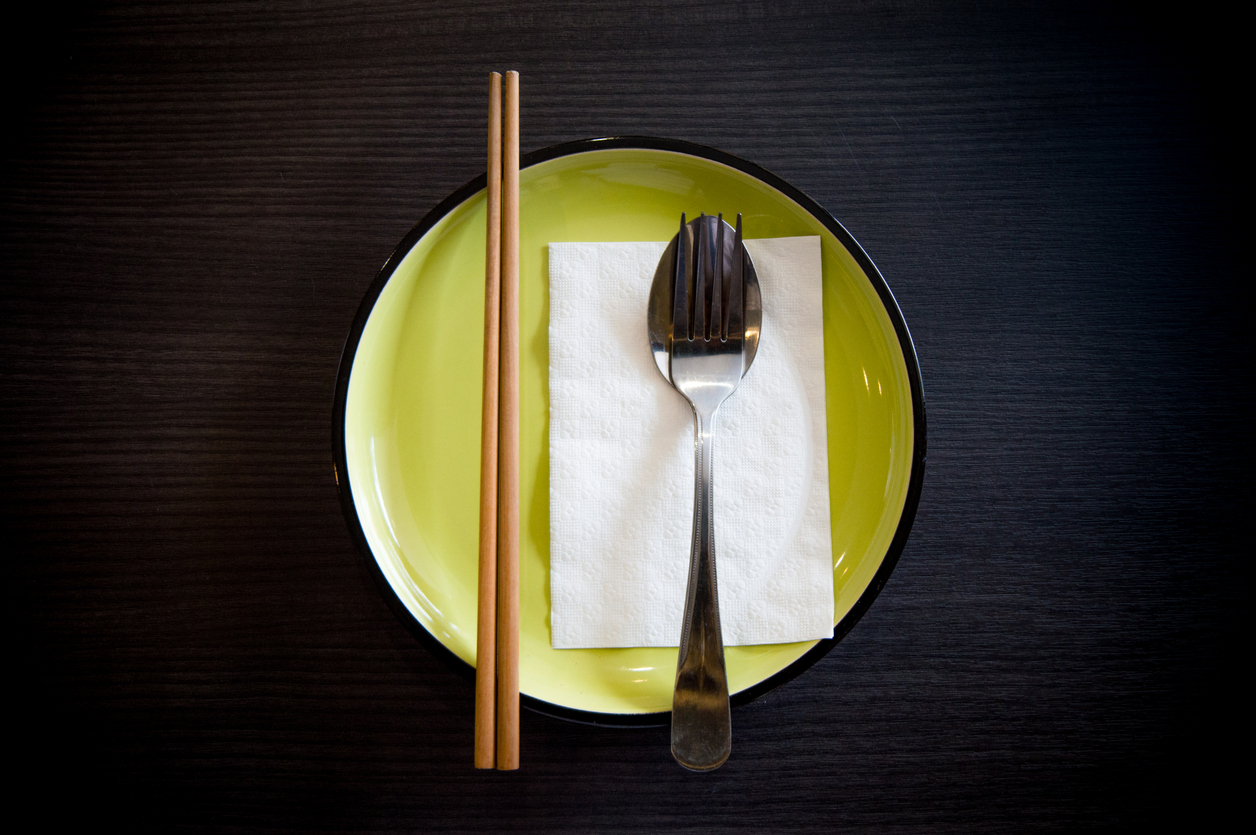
(412, 412)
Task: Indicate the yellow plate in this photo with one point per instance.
(407, 412)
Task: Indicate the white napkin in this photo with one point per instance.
(622, 460)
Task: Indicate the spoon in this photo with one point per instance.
(711, 327)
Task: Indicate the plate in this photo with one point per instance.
(407, 413)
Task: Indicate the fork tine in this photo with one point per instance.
(680, 286)
(701, 284)
(718, 284)
(735, 326)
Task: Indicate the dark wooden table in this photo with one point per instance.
(196, 196)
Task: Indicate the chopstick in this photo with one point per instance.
(486, 625)
(508, 448)
(497, 628)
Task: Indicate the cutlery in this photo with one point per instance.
(508, 444)
(486, 605)
(704, 318)
(497, 629)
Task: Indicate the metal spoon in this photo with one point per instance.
(707, 348)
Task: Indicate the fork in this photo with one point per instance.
(706, 359)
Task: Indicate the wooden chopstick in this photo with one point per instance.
(486, 626)
(508, 447)
(497, 627)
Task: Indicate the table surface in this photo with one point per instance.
(196, 196)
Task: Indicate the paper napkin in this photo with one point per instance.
(622, 460)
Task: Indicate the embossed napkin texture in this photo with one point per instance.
(622, 460)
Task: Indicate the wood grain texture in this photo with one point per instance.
(196, 196)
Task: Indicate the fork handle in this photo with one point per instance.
(701, 724)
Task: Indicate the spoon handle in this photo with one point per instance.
(701, 724)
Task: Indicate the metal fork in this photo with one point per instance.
(706, 359)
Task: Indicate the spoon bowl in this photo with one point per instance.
(659, 309)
